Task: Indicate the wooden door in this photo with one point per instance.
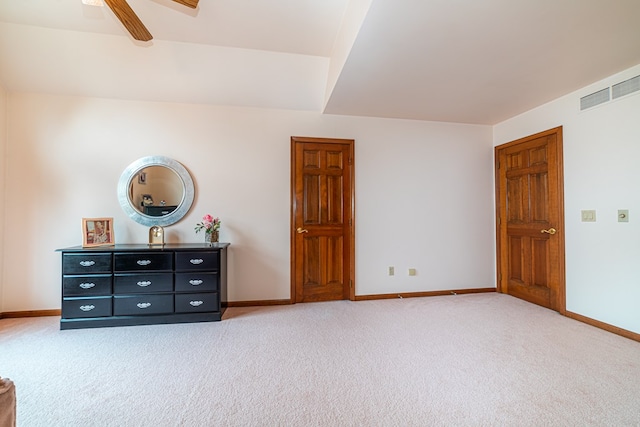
(530, 219)
(322, 238)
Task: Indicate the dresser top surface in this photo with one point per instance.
(147, 248)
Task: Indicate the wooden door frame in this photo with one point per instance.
(351, 209)
(561, 297)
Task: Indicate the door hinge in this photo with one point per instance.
(350, 160)
(350, 222)
(498, 165)
(351, 284)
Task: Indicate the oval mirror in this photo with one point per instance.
(155, 190)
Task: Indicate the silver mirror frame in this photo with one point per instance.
(171, 218)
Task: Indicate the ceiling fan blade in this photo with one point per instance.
(129, 19)
(189, 3)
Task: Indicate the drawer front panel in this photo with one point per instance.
(86, 263)
(197, 261)
(142, 283)
(86, 307)
(128, 305)
(197, 303)
(143, 261)
(196, 282)
(99, 284)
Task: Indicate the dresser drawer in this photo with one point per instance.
(197, 303)
(197, 261)
(139, 284)
(86, 307)
(86, 263)
(98, 284)
(142, 283)
(196, 282)
(128, 305)
(143, 261)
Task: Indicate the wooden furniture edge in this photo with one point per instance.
(605, 326)
(424, 294)
(30, 313)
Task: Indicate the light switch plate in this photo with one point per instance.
(412, 272)
(623, 215)
(589, 216)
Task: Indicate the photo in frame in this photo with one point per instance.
(97, 232)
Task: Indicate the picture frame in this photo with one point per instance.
(97, 232)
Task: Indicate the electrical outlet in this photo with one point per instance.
(392, 271)
(588, 216)
(412, 272)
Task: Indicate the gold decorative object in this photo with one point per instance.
(156, 235)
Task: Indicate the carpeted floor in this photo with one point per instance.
(465, 360)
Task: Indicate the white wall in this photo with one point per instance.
(424, 200)
(601, 152)
(423, 191)
(3, 144)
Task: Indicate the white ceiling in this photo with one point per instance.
(466, 61)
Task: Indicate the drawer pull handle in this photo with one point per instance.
(87, 263)
(195, 282)
(196, 261)
(143, 262)
(196, 303)
(87, 285)
(87, 307)
(144, 305)
(144, 283)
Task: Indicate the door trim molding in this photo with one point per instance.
(352, 207)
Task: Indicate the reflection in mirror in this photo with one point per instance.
(156, 190)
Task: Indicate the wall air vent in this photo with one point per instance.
(626, 87)
(594, 99)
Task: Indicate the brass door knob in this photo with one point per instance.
(549, 231)
(301, 230)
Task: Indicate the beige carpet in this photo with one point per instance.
(466, 360)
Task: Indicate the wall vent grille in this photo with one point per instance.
(626, 87)
(594, 99)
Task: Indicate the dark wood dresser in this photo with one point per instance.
(126, 285)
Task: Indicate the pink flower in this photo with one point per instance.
(208, 224)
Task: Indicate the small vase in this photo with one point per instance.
(211, 237)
